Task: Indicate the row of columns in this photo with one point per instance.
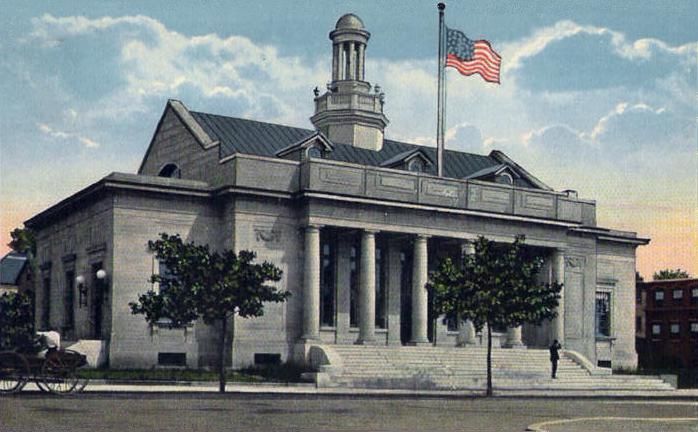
(420, 305)
(348, 61)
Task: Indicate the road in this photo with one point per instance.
(138, 412)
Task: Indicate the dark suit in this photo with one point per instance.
(554, 356)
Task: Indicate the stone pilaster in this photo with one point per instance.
(311, 284)
(558, 324)
(394, 294)
(367, 289)
(419, 293)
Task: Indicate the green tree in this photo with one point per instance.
(671, 274)
(496, 286)
(212, 286)
(23, 241)
(17, 323)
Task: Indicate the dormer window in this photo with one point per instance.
(170, 170)
(314, 152)
(415, 165)
(504, 178)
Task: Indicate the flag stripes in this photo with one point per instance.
(472, 57)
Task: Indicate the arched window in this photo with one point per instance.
(170, 170)
(504, 178)
(415, 165)
(314, 152)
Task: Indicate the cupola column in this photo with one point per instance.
(360, 66)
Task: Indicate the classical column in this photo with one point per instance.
(513, 339)
(558, 324)
(367, 289)
(336, 53)
(420, 302)
(360, 73)
(311, 284)
(351, 62)
(466, 329)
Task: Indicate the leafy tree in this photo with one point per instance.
(212, 286)
(671, 274)
(496, 286)
(17, 323)
(23, 241)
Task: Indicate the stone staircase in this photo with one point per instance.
(443, 368)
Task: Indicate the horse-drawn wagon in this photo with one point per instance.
(56, 371)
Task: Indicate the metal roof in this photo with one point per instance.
(11, 266)
(238, 135)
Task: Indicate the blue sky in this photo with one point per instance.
(595, 96)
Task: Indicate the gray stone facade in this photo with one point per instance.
(354, 241)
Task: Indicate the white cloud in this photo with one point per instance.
(62, 135)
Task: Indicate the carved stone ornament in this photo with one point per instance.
(574, 262)
(267, 234)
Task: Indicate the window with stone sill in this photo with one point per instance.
(694, 328)
(603, 314)
(694, 296)
(656, 329)
(659, 298)
(160, 269)
(675, 330)
(677, 295)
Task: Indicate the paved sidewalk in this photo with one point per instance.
(310, 389)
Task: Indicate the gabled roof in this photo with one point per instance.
(406, 156)
(306, 142)
(493, 170)
(238, 135)
(11, 266)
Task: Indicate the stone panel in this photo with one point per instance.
(569, 210)
(335, 179)
(490, 198)
(588, 214)
(441, 192)
(266, 174)
(574, 296)
(534, 204)
(401, 187)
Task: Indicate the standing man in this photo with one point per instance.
(554, 356)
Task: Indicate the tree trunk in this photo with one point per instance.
(489, 360)
(221, 355)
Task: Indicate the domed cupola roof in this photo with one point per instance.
(349, 22)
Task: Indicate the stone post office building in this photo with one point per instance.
(354, 220)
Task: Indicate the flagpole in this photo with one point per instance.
(440, 101)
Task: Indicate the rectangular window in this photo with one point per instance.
(694, 329)
(381, 303)
(172, 359)
(327, 279)
(69, 300)
(603, 313)
(659, 298)
(638, 324)
(164, 272)
(656, 329)
(694, 295)
(675, 329)
(46, 304)
(677, 295)
(354, 286)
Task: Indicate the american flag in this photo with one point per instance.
(471, 57)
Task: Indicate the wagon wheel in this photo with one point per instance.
(14, 372)
(77, 360)
(58, 376)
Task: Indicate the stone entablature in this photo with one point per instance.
(414, 188)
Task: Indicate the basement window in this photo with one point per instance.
(172, 359)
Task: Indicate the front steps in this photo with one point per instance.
(441, 368)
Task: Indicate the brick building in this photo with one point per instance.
(667, 323)
(354, 220)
